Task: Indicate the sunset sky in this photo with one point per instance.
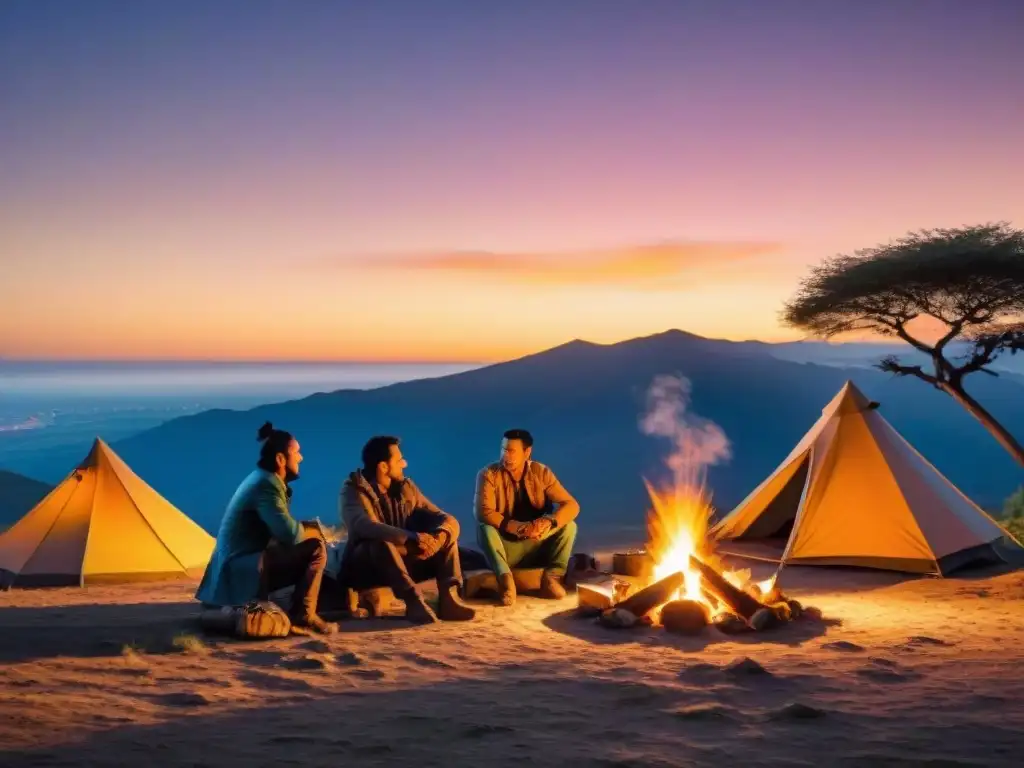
(475, 181)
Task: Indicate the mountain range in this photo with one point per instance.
(583, 402)
(18, 494)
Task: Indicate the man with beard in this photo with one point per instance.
(397, 537)
(525, 518)
(260, 547)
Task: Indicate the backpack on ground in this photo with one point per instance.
(256, 620)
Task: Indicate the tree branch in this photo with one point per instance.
(892, 365)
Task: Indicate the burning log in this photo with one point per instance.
(594, 598)
(647, 599)
(685, 617)
(739, 601)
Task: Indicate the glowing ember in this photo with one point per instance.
(676, 529)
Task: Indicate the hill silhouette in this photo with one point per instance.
(18, 494)
(583, 402)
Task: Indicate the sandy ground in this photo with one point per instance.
(918, 672)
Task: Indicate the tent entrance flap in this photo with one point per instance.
(777, 519)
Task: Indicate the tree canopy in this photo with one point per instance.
(971, 280)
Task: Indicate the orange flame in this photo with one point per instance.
(677, 526)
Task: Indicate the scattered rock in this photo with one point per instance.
(428, 661)
(745, 666)
(925, 640)
(796, 609)
(731, 624)
(617, 618)
(844, 646)
(184, 699)
(797, 711)
(883, 671)
(315, 646)
(350, 659)
(765, 618)
(305, 663)
(685, 617)
(705, 711)
(369, 674)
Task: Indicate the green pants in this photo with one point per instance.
(551, 553)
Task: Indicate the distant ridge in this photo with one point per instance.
(18, 494)
(583, 402)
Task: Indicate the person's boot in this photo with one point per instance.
(551, 585)
(507, 589)
(417, 611)
(313, 623)
(451, 607)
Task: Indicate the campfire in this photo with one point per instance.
(678, 581)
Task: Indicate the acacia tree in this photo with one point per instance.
(971, 280)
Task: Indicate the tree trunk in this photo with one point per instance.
(973, 407)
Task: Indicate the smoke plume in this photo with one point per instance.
(697, 443)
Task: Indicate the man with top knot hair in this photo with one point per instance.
(260, 547)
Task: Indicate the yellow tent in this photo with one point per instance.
(102, 524)
(855, 492)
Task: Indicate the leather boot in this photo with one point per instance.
(551, 585)
(507, 589)
(451, 607)
(313, 623)
(417, 611)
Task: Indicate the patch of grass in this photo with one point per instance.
(132, 650)
(1014, 525)
(188, 643)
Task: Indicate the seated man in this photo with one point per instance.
(260, 547)
(525, 518)
(398, 537)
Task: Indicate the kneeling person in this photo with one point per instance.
(260, 547)
(525, 517)
(397, 537)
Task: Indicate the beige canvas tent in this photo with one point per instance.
(102, 524)
(855, 492)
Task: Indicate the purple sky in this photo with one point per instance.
(158, 157)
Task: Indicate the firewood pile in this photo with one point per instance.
(619, 603)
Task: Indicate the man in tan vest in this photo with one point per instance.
(525, 518)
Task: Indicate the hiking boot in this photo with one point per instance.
(451, 607)
(551, 585)
(314, 623)
(417, 611)
(507, 589)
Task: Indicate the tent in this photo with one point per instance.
(102, 524)
(855, 492)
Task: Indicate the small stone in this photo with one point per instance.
(617, 618)
(745, 666)
(797, 711)
(305, 663)
(764, 618)
(795, 608)
(685, 617)
(731, 624)
(184, 700)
